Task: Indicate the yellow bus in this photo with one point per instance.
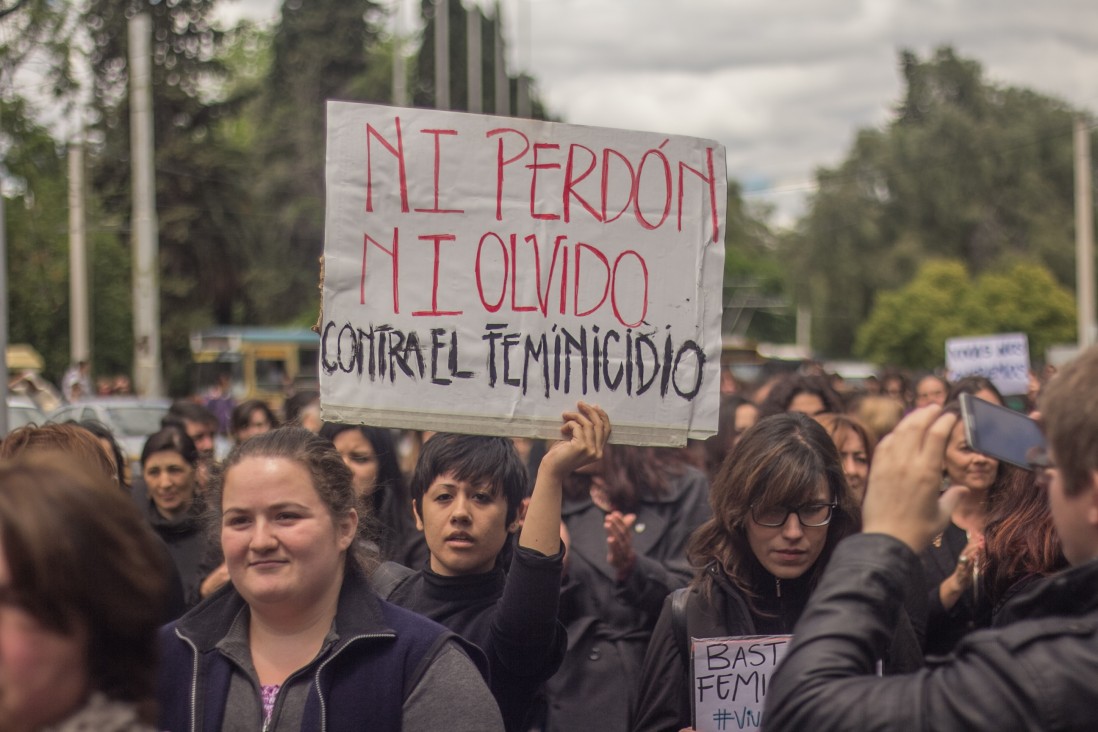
(261, 362)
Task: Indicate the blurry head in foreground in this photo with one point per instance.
(81, 596)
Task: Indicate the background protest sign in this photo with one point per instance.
(1003, 358)
(730, 679)
(482, 274)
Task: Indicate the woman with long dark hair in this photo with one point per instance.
(174, 508)
(370, 453)
(780, 505)
(1020, 542)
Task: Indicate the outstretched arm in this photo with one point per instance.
(584, 434)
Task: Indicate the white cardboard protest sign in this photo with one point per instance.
(1003, 358)
(730, 678)
(482, 274)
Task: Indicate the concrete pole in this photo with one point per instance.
(522, 100)
(79, 329)
(3, 303)
(473, 59)
(442, 54)
(804, 327)
(503, 84)
(148, 379)
(1084, 236)
(400, 73)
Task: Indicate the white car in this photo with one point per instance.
(131, 419)
(22, 411)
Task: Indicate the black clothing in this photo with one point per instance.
(1040, 672)
(665, 690)
(609, 622)
(187, 541)
(511, 616)
(944, 628)
(379, 667)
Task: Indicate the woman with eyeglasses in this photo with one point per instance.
(780, 505)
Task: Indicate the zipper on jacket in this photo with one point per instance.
(194, 679)
(778, 586)
(329, 659)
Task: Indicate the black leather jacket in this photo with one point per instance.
(1038, 672)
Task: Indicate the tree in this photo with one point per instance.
(423, 88)
(909, 326)
(321, 50)
(203, 205)
(754, 274)
(38, 255)
(966, 170)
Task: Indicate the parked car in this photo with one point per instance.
(22, 411)
(131, 419)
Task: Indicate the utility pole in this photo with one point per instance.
(1084, 236)
(148, 379)
(503, 84)
(3, 295)
(473, 59)
(522, 100)
(442, 54)
(79, 330)
(400, 75)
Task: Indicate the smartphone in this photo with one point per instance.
(999, 432)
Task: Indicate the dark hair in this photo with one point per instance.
(631, 473)
(330, 477)
(173, 439)
(1069, 409)
(191, 412)
(293, 406)
(103, 432)
(1020, 541)
(839, 425)
(971, 385)
(993, 490)
(242, 415)
(68, 439)
(940, 379)
(490, 461)
(79, 555)
(790, 386)
(778, 462)
(389, 504)
(717, 446)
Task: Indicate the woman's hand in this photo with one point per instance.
(584, 433)
(956, 584)
(619, 542)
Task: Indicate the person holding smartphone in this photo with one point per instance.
(951, 564)
(1037, 669)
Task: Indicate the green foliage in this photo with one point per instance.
(38, 256)
(966, 170)
(322, 49)
(909, 326)
(754, 270)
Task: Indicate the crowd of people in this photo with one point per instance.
(348, 577)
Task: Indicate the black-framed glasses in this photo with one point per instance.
(1038, 461)
(810, 515)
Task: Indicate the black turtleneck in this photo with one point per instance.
(511, 616)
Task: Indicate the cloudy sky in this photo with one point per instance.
(783, 84)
